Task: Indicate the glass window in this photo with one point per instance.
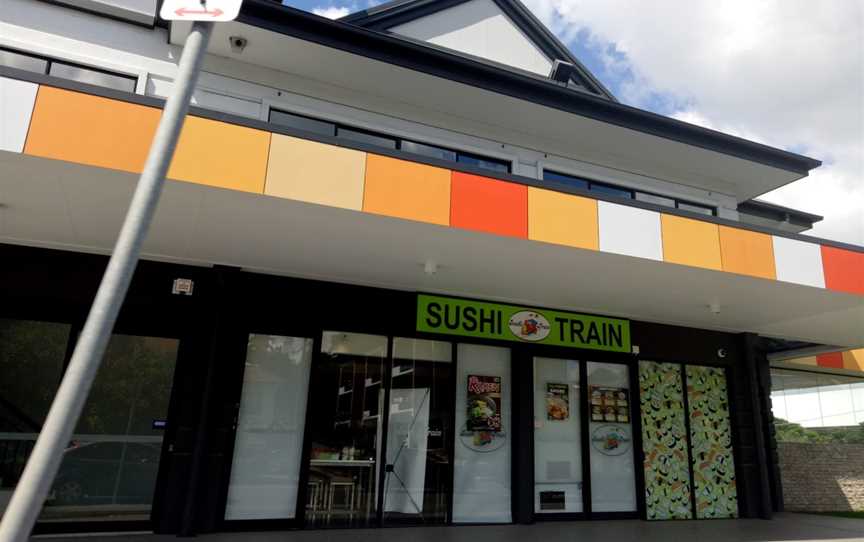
(557, 437)
(568, 180)
(269, 440)
(366, 137)
(657, 200)
(610, 190)
(613, 480)
(481, 478)
(109, 469)
(694, 208)
(22, 62)
(483, 162)
(31, 365)
(93, 77)
(302, 123)
(807, 399)
(417, 483)
(428, 150)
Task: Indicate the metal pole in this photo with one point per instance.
(35, 482)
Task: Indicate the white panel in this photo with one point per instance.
(16, 106)
(481, 29)
(266, 466)
(629, 231)
(798, 262)
(481, 477)
(139, 11)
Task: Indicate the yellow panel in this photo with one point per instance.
(690, 242)
(809, 360)
(90, 130)
(564, 219)
(747, 252)
(221, 154)
(407, 190)
(854, 360)
(315, 172)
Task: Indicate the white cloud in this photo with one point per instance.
(331, 12)
(788, 73)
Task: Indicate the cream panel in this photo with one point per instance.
(798, 262)
(16, 107)
(629, 231)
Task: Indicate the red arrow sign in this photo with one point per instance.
(183, 12)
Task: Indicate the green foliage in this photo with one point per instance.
(792, 432)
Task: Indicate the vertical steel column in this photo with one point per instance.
(35, 482)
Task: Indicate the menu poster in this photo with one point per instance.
(609, 404)
(484, 403)
(557, 402)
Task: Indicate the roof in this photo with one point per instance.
(397, 12)
(491, 76)
(779, 213)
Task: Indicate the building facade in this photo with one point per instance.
(415, 266)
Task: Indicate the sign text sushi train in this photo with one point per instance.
(452, 316)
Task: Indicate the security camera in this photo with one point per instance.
(238, 43)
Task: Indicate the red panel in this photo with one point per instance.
(834, 360)
(488, 205)
(844, 270)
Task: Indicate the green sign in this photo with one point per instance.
(467, 318)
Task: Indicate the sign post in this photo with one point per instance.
(44, 461)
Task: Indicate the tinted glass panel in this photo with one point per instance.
(428, 150)
(366, 137)
(92, 77)
(302, 123)
(693, 208)
(569, 180)
(22, 62)
(482, 162)
(658, 200)
(611, 190)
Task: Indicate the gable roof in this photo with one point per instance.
(398, 12)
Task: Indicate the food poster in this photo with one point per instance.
(609, 404)
(484, 403)
(557, 402)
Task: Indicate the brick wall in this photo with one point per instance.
(822, 477)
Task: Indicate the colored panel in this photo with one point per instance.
(222, 155)
(664, 441)
(554, 217)
(407, 190)
(629, 231)
(690, 242)
(853, 360)
(844, 270)
(833, 360)
(488, 205)
(16, 107)
(315, 172)
(809, 360)
(798, 261)
(747, 252)
(91, 130)
(711, 443)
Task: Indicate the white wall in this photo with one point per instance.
(481, 29)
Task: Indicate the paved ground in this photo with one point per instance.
(785, 527)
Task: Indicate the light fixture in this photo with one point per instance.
(430, 267)
(562, 71)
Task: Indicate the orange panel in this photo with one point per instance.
(854, 360)
(407, 190)
(222, 155)
(488, 205)
(747, 252)
(564, 219)
(690, 242)
(834, 360)
(844, 270)
(90, 130)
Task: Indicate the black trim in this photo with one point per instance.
(690, 460)
(778, 213)
(57, 82)
(491, 76)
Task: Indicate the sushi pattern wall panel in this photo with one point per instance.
(711, 443)
(664, 442)
(16, 106)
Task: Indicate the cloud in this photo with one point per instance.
(781, 72)
(332, 12)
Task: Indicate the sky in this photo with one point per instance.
(787, 73)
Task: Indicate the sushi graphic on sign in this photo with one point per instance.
(529, 326)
